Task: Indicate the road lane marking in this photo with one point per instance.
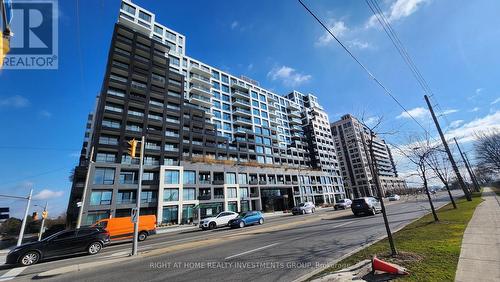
(11, 274)
(252, 251)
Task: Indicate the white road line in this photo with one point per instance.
(11, 274)
(252, 251)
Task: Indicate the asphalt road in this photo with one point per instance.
(283, 249)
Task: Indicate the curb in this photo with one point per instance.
(79, 267)
(307, 276)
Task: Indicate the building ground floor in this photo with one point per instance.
(192, 191)
(389, 185)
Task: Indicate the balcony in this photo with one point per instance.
(196, 78)
(293, 106)
(239, 86)
(200, 90)
(242, 121)
(200, 100)
(294, 114)
(241, 94)
(242, 112)
(204, 197)
(199, 70)
(241, 103)
(295, 121)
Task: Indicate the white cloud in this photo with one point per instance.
(496, 101)
(466, 132)
(420, 113)
(338, 28)
(289, 76)
(456, 123)
(475, 109)
(45, 114)
(47, 194)
(234, 24)
(358, 44)
(417, 112)
(15, 101)
(399, 9)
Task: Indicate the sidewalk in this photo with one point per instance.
(480, 252)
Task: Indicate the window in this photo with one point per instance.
(259, 149)
(144, 16)
(128, 177)
(170, 214)
(188, 194)
(216, 94)
(242, 178)
(170, 195)
(255, 95)
(225, 98)
(105, 158)
(225, 88)
(215, 74)
(100, 198)
(104, 176)
(255, 103)
(230, 178)
(172, 177)
(189, 177)
(227, 116)
(215, 85)
(126, 197)
(126, 7)
(158, 29)
(216, 104)
(231, 192)
(225, 78)
(217, 114)
(262, 98)
(243, 193)
(110, 123)
(148, 196)
(226, 107)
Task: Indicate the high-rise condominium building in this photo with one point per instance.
(214, 141)
(352, 142)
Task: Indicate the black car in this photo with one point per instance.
(67, 242)
(366, 205)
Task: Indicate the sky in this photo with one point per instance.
(454, 44)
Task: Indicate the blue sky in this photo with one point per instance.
(455, 45)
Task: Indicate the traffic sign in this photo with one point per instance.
(133, 215)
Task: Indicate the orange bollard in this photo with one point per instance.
(383, 266)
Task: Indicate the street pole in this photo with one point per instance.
(138, 205)
(43, 222)
(23, 224)
(372, 162)
(476, 185)
(448, 152)
(84, 194)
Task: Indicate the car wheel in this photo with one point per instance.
(142, 236)
(212, 225)
(29, 258)
(303, 211)
(94, 248)
(313, 210)
(261, 221)
(335, 208)
(242, 224)
(374, 211)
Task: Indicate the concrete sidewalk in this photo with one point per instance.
(480, 253)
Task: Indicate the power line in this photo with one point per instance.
(398, 44)
(386, 90)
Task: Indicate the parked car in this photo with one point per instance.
(222, 219)
(67, 242)
(247, 218)
(120, 228)
(303, 208)
(394, 197)
(366, 205)
(342, 204)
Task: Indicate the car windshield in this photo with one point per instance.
(54, 235)
(302, 204)
(243, 214)
(101, 224)
(359, 201)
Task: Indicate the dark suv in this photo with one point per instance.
(366, 205)
(67, 242)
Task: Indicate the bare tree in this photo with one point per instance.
(418, 153)
(438, 162)
(487, 149)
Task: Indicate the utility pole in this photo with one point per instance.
(476, 185)
(138, 205)
(84, 194)
(473, 173)
(23, 224)
(44, 215)
(450, 156)
(374, 170)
